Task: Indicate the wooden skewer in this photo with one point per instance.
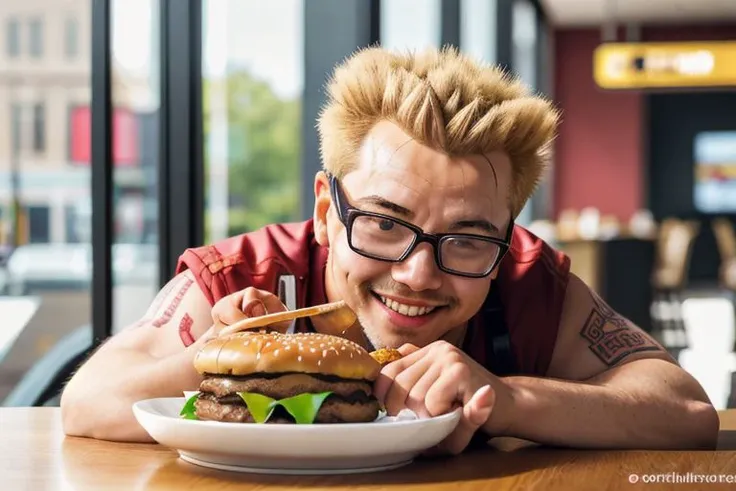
(268, 319)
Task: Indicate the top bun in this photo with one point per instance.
(247, 353)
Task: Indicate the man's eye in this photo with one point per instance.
(464, 244)
(386, 225)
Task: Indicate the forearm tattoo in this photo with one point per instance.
(611, 337)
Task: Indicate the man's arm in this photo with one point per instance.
(611, 386)
(153, 358)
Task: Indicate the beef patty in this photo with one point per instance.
(350, 401)
(284, 386)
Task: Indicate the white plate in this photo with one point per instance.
(291, 449)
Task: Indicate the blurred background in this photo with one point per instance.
(132, 129)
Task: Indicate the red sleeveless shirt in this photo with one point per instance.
(532, 281)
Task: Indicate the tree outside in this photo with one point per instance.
(263, 154)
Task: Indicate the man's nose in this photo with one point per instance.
(419, 271)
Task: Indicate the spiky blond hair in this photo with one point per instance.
(442, 99)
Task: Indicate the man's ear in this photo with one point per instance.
(322, 203)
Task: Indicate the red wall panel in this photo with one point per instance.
(600, 154)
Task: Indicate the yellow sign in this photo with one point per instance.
(665, 65)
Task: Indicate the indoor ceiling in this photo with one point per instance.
(595, 12)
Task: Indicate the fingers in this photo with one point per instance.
(475, 413)
(247, 303)
(410, 368)
(408, 388)
(447, 392)
(407, 349)
(433, 381)
(417, 398)
(229, 310)
(254, 307)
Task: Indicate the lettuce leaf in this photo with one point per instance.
(303, 407)
(188, 411)
(260, 407)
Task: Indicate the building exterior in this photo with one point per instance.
(45, 127)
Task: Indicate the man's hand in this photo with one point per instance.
(438, 379)
(245, 304)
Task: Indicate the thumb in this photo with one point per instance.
(479, 407)
(475, 414)
(260, 302)
(245, 304)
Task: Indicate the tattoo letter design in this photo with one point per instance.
(611, 338)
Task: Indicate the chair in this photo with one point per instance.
(43, 383)
(726, 241)
(674, 246)
(725, 235)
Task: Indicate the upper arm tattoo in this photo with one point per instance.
(153, 315)
(166, 316)
(611, 337)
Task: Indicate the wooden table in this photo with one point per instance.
(35, 455)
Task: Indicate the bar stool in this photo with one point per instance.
(674, 246)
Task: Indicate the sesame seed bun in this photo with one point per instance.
(247, 353)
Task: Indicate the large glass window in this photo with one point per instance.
(44, 251)
(410, 24)
(253, 82)
(478, 29)
(524, 41)
(136, 70)
(524, 62)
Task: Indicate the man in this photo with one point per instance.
(428, 159)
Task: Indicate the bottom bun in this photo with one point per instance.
(333, 410)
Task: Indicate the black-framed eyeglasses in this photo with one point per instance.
(386, 238)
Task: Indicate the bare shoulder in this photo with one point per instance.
(175, 319)
(593, 338)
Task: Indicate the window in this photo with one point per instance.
(35, 33)
(252, 91)
(37, 188)
(39, 127)
(524, 41)
(71, 38)
(39, 229)
(12, 39)
(524, 63)
(410, 24)
(16, 125)
(714, 153)
(135, 148)
(478, 29)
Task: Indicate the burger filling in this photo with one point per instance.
(284, 398)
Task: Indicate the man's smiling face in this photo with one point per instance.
(412, 301)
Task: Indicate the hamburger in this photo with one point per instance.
(269, 377)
